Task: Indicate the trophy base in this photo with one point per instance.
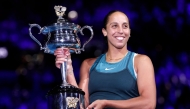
(65, 96)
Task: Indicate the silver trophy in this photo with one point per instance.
(65, 35)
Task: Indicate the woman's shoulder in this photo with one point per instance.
(89, 61)
(86, 65)
(142, 59)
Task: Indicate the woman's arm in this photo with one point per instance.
(84, 78)
(63, 54)
(146, 86)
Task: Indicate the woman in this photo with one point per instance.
(119, 78)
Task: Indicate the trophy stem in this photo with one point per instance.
(64, 73)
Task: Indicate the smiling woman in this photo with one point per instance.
(118, 78)
(117, 27)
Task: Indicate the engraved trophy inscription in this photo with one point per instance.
(63, 34)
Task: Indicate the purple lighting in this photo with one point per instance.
(159, 29)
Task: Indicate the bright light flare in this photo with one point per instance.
(3, 52)
(73, 15)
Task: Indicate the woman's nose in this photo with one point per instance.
(120, 30)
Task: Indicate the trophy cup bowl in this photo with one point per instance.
(64, 96)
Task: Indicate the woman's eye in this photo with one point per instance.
(125, 26)
(114, 26)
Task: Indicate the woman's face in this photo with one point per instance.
(117, 30)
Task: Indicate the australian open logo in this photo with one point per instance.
(72, 102)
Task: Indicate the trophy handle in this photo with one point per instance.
(92, 34)
(39, 27)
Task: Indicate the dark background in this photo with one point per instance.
(159, 29)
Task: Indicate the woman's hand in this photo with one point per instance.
(63, 55)
(98, 104)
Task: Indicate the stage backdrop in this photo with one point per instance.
(159, 29)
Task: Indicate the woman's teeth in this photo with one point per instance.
(119, 38)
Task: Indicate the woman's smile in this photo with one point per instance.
(120, 38)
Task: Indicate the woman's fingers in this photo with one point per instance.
(64, 51)
(62, 54)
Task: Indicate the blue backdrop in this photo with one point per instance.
(159, 29)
